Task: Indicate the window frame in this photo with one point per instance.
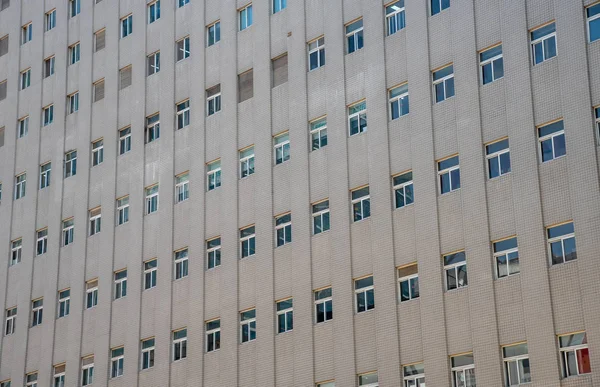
(249, 239)
(215, 333)
(41, 241)
(16, 251)
(48, 115)
(70, 163)
(49, 63)
(122, 210)
(505, 253)
(489, 157)
(284, 229)
(319, 50)
(179, 345)
(73, 103)
(10, 320)
(278, 6)
(401, 100)
(364, 292)
(23, 126)
(25, 79)
(213, 175)
(448, 171)
(91, 293)
(26, 33)
(117, 362)
(74, 53)
(151, 199)
(182, 187)
(324, 301)
(490, 61)
(360, 201)
(561, 239)
(120, 284)
(152, 131)
(245, 15)
(184, 50)
(321, 217)
(249, 324)
(445, 81)
(213, 253)
(68, 231)
(455, 267)
(37, 311)
(399, 23)
(357, 36)
(95, 221)
(369, 384)
(59, 375)
(150, 273)
(518, 359)
(441, 8)
(542, 40)
(216, 33)
(575, 349)
(64, 303)
(50, 20)
(412, 379)
(20, 185)
(590, 19)
(74, 8)
(124, 140)
(213, 100)
(282, 314)
(411, 279)
(281, 144)
(182, 109)
(461, 369)
(153, 63)
(147, 354)
(153, 11)
(316, 127)
(405, 186)
(31, 379)
(550, 137)
(97, 152)
(181, 263)
(358, 115)
(247, 161)
(126, 26)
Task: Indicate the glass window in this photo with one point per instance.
(414, 375)
(543, 43)
(320, 215)
(20, 185)
(443, 83)
(25, 79)
(213, 253)
(364, 292)
(285, 315)
(152, 199)
(213, 33)
(153, 11)
(551, 138)
(408, 282)
(70, 163)
(182, 187)
(368, 380)
(283, 229)
(213, 335)
(64, 303)
(120, 286)
(16, 250)
(561, 243)
(438, 6)
(124, 140)
(95, 221)
(11, 320)
(213, 175)
(23, 127)
(399, 105)
(247, 241)
(463, 370)
(59, 376)
(74, 7)
(73, 103)
(179, 344)
(31, 380)
(354, 36)
(449, 174)
(323, 305)
(246, 162)
(316, 53)
(497, 155)
(48, 115)
(213, 100)
(117, 359)
(357, 118)
(593, 21)
(281, 144)
(516, 364)
(361, 204)
(153, 63)
(50, 20)
(150, 274)
(42, 241)
(395, 17)
(148, 353)
(123, 210)
(318, 133)
(506, 257)
(574, 354)
(97, 152)
(91, 292)
(26, 33)
(126, 26)
(403, 189)
(183, 48)
(74, 53)
(245, 17)
(152, 128)
(248, 325)
(455, 268)
(279, 5)
(68, 231)
(181, 263)
(491, 64)
(37, 312)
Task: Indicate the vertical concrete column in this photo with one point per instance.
(382, 234)
(482, 305)
(581, 163)
(339, 197)
(535, 284)
(431, 283)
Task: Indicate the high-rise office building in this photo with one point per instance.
(299, 193)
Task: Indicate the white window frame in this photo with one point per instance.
(323, 301)
(59, 376)
(514, 359)
(152, 128)
(541, 40)
(11, 321)
(120, 284)
(212, 253)
(23, 127)
(561, 239)
(49, 66)
(280, 146)
(147, 363)
(20, 185)
(48, 115)
(122, 210)
(457, 371)
(68, 231)
(214, 333)
(126, 24)
(574, 349)
(73, 103)
(181, 343)
(97, 152)
(247, 324)
(183, 114)
(315, 46)
(591, 19)
(409, 279)
(41, 241)
(417, 380)
(441, 7)
(116, 363)
(211, 31)
(181, 3)
(45, 174)
(362, 292)
(151, 199)
(246, 162)
(448, 171)
(153, 61)
(150, 272)
(318, 133)
(181, 263)
(496, 155)
(124, 140)
(403, 187)
(284, 312)
(391, 19)
(70, 163)
(25, 79)
(182, 187)
(357, 116)
(37, 312)
(550, 137)
(16, 251)
(245, 21)
(373, 384)
(597, 116)
(454, 267)
(279, 5)
(247, 239)
(213, 175)
(50, 19)
(153, 11)
(31, 379)
(74, 53)
(443, 81)
(319, 217)
(74, 8)
(284, 229)
(361, 202)
(213, 101)
(490, 61)
(64, 303)
(91, 290)
(183, 45)
(26, 33)
(504, 253)
(355, 34)
(399, 100)
(95, 222)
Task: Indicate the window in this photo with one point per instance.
(25, 79)
(438, 6)
(213, 252)
(354, 36)
(370, 379)
(279, 5)
(179, 344)
(91, 294)
(74, 53)
(123, 210)
(124, 140)
(31, 380)
(245, 85)
(3, 5)
(597, 111)
(498, 158)
(26, 33)
(126, 26)
(152, 199)
(23, 127)
(245, 17)
(279, 68)
(403, 189)
(213, 335)
(150, 274)
(153, 61)
(395, 17)
(449, 174)
(247, 241)
(463, 370)
(443, 83)
(323, 305)
(281, 143)
(283, 229)
(153, 11)
(98, 90)
(506, 257)
(213, 33)
(181, 3)
(248, 325)
(48, 115)
(326, 384)
(120, 284)
(87, 371)
(100, 40)
(1, 138)
(152, 128)
(5, 383)
(64, 303)
(183, 48)
(74, 7)
(20, 185)
(593, 22)
(73, 103)
(414, 375)
(182, 187)
(0, 189)
(181, 263)
(3, 86)
(561, 243)
(455, 268)
(3, 45)
(16, 249)
(213, 175)
(574, 354)
(357, 118)
(246, 162)
(59, 376)
(318, 133)
(42, 241)
(285, 315)
(183, 114)
(320, 215)
(552, 141)
(97, 152)
(48, 66)
(70, 164)
(125, 77)
(316, 53)
(365, 294)
(516, 364)
(117, 357)
(361, 204)
(213, 100)
(11, 320)
(491, 64)
(408, 282)
(68, 232)
(147, 353)
(399, 105)
(543, 43)
(37, 312)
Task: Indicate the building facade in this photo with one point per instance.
(225, 193)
